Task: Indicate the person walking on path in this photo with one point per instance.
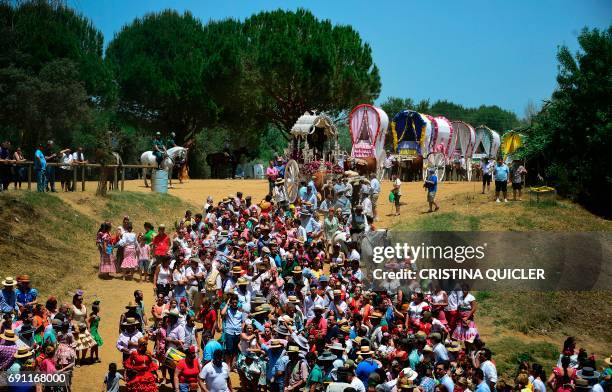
(502, 174)
(431, 184)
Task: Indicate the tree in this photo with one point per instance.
(160, 65)
(572, 134)
(51, 104)
(34, 33)
(297, 63)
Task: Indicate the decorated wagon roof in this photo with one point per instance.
(411, 133)
(464, 139)
(511, 141)
(368, 127)
(489, 140)
(307, 123)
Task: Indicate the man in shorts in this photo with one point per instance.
(517, 172)
(488, 166)
(431, 184)
(502, 174)
(232, 328)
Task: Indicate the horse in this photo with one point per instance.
(174, 156)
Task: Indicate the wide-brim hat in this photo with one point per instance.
(237, 269)
(409, 374)
(9, 335)
(365, 350)
(327, 356)
(9, 281)
(454, 347)
(133, 321)
(587, 373)
(335, 346)
(275, 343)
(23, 352)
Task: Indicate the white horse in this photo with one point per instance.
(174, 156)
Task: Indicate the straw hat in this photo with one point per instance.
(9, 281)
(292, 299)
(365, 350)
(9, 335)
(132, 321)
(237, 269)
(23, 352)
(275, 343)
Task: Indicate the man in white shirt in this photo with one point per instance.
(66, 171)
(216, 374)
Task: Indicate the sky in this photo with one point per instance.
(471, 52)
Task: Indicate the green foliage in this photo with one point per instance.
(159, 65)
(572, 134)
(49, 104)
(298, 63)
(37, 32)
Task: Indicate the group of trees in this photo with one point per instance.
(244, 83)
(571, 137)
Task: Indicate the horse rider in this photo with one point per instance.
(159, 149)
(170, 143)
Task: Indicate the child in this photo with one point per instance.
(143, 258)
(112, 378)
(94, 322)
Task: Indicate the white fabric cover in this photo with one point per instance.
(370, 142)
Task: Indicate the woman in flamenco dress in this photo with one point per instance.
(140, 369)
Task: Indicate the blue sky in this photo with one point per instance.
(470, 52)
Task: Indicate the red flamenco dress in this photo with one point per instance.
(140, 368)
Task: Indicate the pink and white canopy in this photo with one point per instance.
(441, 136)
(368, 126)
(463, 141)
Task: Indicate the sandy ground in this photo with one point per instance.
(115, 293)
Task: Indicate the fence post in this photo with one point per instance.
(83, 179)
(122, 178)
(29, 177)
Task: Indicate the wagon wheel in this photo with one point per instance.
(468, 168)
(292, 180)
(437, 160)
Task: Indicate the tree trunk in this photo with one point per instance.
(102, 186)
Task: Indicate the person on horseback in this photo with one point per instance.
(159, 149)
(171, 142)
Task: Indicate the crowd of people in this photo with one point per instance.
(268, 292)
(12, 168)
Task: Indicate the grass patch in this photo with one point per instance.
(140, 207)
(509, 352)
(44, 237)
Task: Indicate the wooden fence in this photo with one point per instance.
(118, 172)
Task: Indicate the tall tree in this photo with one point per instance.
(35, 32)
(297, 62)
(572, 135)
(159, 65)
